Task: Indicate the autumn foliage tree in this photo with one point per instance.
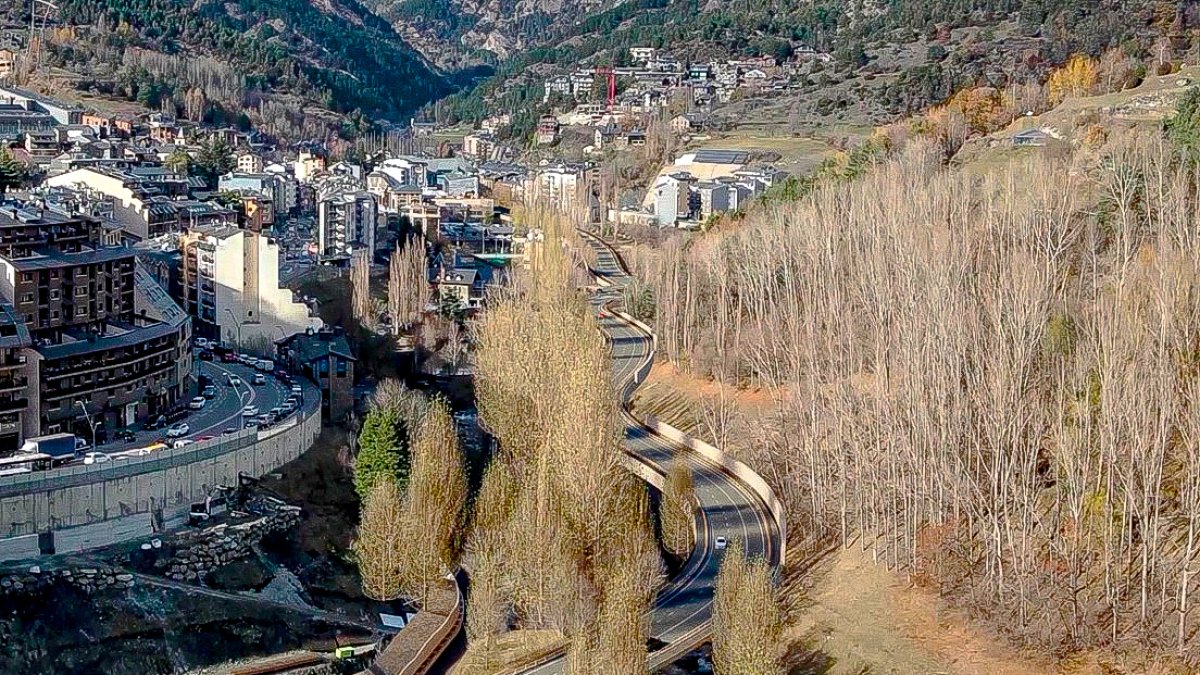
(747, 619)
(564, 540)
(360, 284)
(381, 541)
(677, 512)
(1074, 79)
(433, 504)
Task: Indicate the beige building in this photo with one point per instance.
(248, 162)
(231, 279)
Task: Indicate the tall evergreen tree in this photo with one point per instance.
(12, 170)
(381, 451)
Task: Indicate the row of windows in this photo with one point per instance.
(56, 294)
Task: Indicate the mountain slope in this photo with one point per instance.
(467, 32)
(903, 56)
(333, 52)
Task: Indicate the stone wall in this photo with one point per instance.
(198, 552)
(159, 484)
(34, 579)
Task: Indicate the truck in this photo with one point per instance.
(60, 447)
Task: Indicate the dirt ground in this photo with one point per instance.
(855, 617)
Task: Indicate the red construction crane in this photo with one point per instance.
(612, 84)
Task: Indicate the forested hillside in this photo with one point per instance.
(465, 32)
(986, 376)
(902, 56)
(336, 54)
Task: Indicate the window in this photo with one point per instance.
(27, 297)
(324, 367)
(55, 294)
(341, 367)
(81, 291)
(54, 314)
(26, 276)
(28, 318)
(80, 311)
(53, 274)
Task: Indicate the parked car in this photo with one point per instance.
(259, 379)
(250, 423)
(205, 437)
(264, 420)
(178, 430)
(127, 435)
(96, 458)
(250, 411)
(156, 423)
(229, 431)
(206, 355)
(183, 442)
(209, 392)
(229, 357)
(201, 342)
(197, 403)
(276, 414)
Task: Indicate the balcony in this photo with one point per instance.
(10, 404)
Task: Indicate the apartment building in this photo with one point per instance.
(231, 286)
(249, 162)
(144, 200)
(346, 221)
(559, 187)
(61, 111)
(279, 188)
(103, 342)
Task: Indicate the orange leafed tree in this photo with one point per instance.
(1076, 78)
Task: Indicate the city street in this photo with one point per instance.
(219, 413)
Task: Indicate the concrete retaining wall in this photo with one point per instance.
(160, 484)
(739, 470)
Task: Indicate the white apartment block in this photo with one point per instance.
(558, 187)
(233, 286)
(139, 211)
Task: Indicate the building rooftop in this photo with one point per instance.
(118, 337)
(319, 345)
(13, 331)
(153, 295)
(50, 259)
(721, 157)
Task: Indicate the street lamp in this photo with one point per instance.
(87, 416)
(236, 324)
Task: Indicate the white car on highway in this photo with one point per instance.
(197, 403)
(95, 458)
(250, 411)
(178, 430)
(720, 543)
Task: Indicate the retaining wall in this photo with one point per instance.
(105, 500)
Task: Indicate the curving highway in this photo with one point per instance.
(680, 619)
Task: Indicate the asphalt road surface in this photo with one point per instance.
(219, 413)
(682, 611)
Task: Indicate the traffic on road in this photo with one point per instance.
(233, 392)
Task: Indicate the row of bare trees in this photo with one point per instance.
(408, 283)
(561, 537)
(989, 380)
